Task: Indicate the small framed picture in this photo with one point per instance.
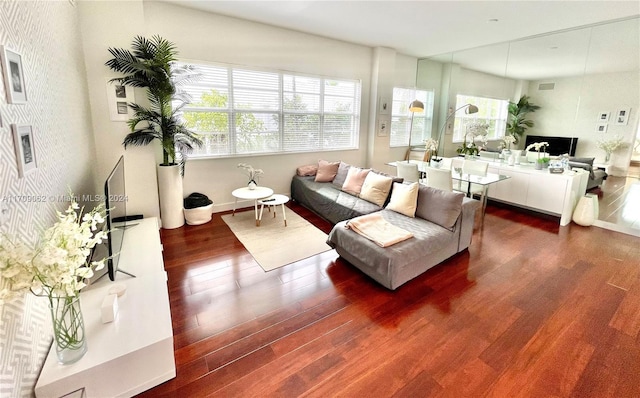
(622, 116)
(119, 96)
(25, 148)
(13, 76)
(603, 117)
(601, 127)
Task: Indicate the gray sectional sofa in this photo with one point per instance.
(442, 227)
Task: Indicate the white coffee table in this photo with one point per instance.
(251, 194)
(274, 201)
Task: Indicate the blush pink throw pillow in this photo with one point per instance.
(355, 179)
(326, 171)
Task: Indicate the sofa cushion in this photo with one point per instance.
(307, 170)
(375, 188)
(439, 206)
(588, 161)
(355, 179)
(326, 171)
(404, 198)
(343, 169)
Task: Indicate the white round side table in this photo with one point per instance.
(274, 201)
(251, 194)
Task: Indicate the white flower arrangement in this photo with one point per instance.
(252, 173)
(508, 140)
(477, 128)
(537, 146)
(609, 146)
(432, 145)
(58, 264)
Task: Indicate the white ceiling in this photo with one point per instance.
(422, 28)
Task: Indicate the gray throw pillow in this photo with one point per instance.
(339, 179)
(439, 206)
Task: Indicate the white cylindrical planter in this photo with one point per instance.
(170, 193)
(198, 215)
(587, 210)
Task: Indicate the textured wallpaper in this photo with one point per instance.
(46, 35)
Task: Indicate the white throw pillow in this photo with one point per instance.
(404, 199)
(376, 188)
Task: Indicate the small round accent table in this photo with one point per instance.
(274, 201)
(251, 194)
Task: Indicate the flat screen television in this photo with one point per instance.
(116, 211)
(557, 145)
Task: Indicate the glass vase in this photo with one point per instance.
(68, 328)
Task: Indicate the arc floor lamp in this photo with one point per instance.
(470, 109)
(415, 106)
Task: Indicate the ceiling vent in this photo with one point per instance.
(546, 86)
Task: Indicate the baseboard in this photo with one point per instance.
(617, 228)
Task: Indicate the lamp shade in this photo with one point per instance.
(417, 106)
(471, 109)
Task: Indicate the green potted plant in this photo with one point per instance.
(150, 65)
(517, 123)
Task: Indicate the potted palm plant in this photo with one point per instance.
(517, 123)
(150, 65)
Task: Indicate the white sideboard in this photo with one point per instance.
(539, 190)
(133, 353)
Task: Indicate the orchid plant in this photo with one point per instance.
(432, 145)
(507, 141)
(539, 146)
(252, 173)
(59, 263)
(476, 136)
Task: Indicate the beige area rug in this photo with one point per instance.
(272, 244)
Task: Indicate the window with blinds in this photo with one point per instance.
(402, 133)
(239, 111)
(492, 111)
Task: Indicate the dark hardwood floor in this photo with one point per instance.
(530, 310)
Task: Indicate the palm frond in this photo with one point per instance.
(140, 138)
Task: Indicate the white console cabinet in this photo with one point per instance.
(133, 353)
(539, 190)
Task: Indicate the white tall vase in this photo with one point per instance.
(170, 193)
(587, 210)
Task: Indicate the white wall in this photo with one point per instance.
(572, 108)
(214, 38)
(46, 35)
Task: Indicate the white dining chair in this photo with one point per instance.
(473, 167)
(408, 171)
(439, 178)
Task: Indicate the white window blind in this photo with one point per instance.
(491, 111)
(402, 134)
(241, 111)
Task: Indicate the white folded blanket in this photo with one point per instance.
(375, 228)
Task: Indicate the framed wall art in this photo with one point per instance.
(622, 116)
(601, 128)
(13, 76)
(118, 97)
(25, 148)
(603, 117)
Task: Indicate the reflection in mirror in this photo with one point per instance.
(474, 76)
(610, 87)
(583, 79)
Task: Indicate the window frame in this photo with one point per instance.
(426, 116)
(458, 137)
(232, 112)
